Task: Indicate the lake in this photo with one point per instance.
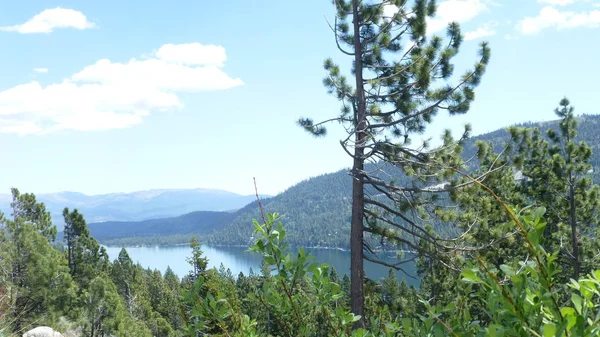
(237, 259)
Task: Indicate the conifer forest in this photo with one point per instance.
(503, 227)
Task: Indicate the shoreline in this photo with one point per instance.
(347, 250)
(226, 246)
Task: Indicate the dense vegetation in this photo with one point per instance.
(506, 242)
(289, 297)
(316, 211)
(527, 281)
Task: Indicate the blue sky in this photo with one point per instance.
(119, 96)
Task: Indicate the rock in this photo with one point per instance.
(42, 331)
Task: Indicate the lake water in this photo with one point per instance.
(237, 259)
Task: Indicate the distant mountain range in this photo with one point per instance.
(136, 206)
(316, 211)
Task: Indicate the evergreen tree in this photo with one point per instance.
(557, 176)
(398, 297)
(85, 256)
(102, 307)
(123, 274)
(38, 281)
(394, 96)
(197, 260)
(173, 290)
(26, 207)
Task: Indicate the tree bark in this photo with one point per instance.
(574, 239)
(358, 198)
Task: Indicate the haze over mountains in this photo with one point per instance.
(136, 206)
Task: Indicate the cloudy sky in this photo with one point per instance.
(118, 96)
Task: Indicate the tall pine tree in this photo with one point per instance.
(558, 176)
(401, 80)
(37, 279)
(85, 256)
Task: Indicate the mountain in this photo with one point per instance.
(310, 206)
(316, 211)
(196, 223)
(587, 131)
(136, 206)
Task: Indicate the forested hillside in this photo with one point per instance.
(587, 129)
(199, 223)
(500, 232)
(316, 210)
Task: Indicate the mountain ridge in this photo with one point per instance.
(316, 211)
(137, 205)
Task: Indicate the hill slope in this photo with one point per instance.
(317, 211)
(196, 223)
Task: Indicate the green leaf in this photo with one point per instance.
(549, 330)
(469, 275)
(269, 260)
(578, 302)
(539, 212)
(313, 267)
(508, 271)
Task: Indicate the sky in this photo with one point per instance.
(120, 96)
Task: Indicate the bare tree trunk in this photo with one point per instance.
(574, 239)
(358, 197)
(92, 326)
(129, 300)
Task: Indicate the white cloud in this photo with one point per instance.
(550, 17)
(455, 10)
(40, 70)
(556, 2)
(111, 95)
(389, 10)
(487, 29)
(192, 54)
(50, 19)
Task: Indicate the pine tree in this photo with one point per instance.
(85, 256)
(394, 96)
(197, 260)
(38, 279)
(557, 176)
(123, 274)
(102, 307)
(26, 207)
(173, 291)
